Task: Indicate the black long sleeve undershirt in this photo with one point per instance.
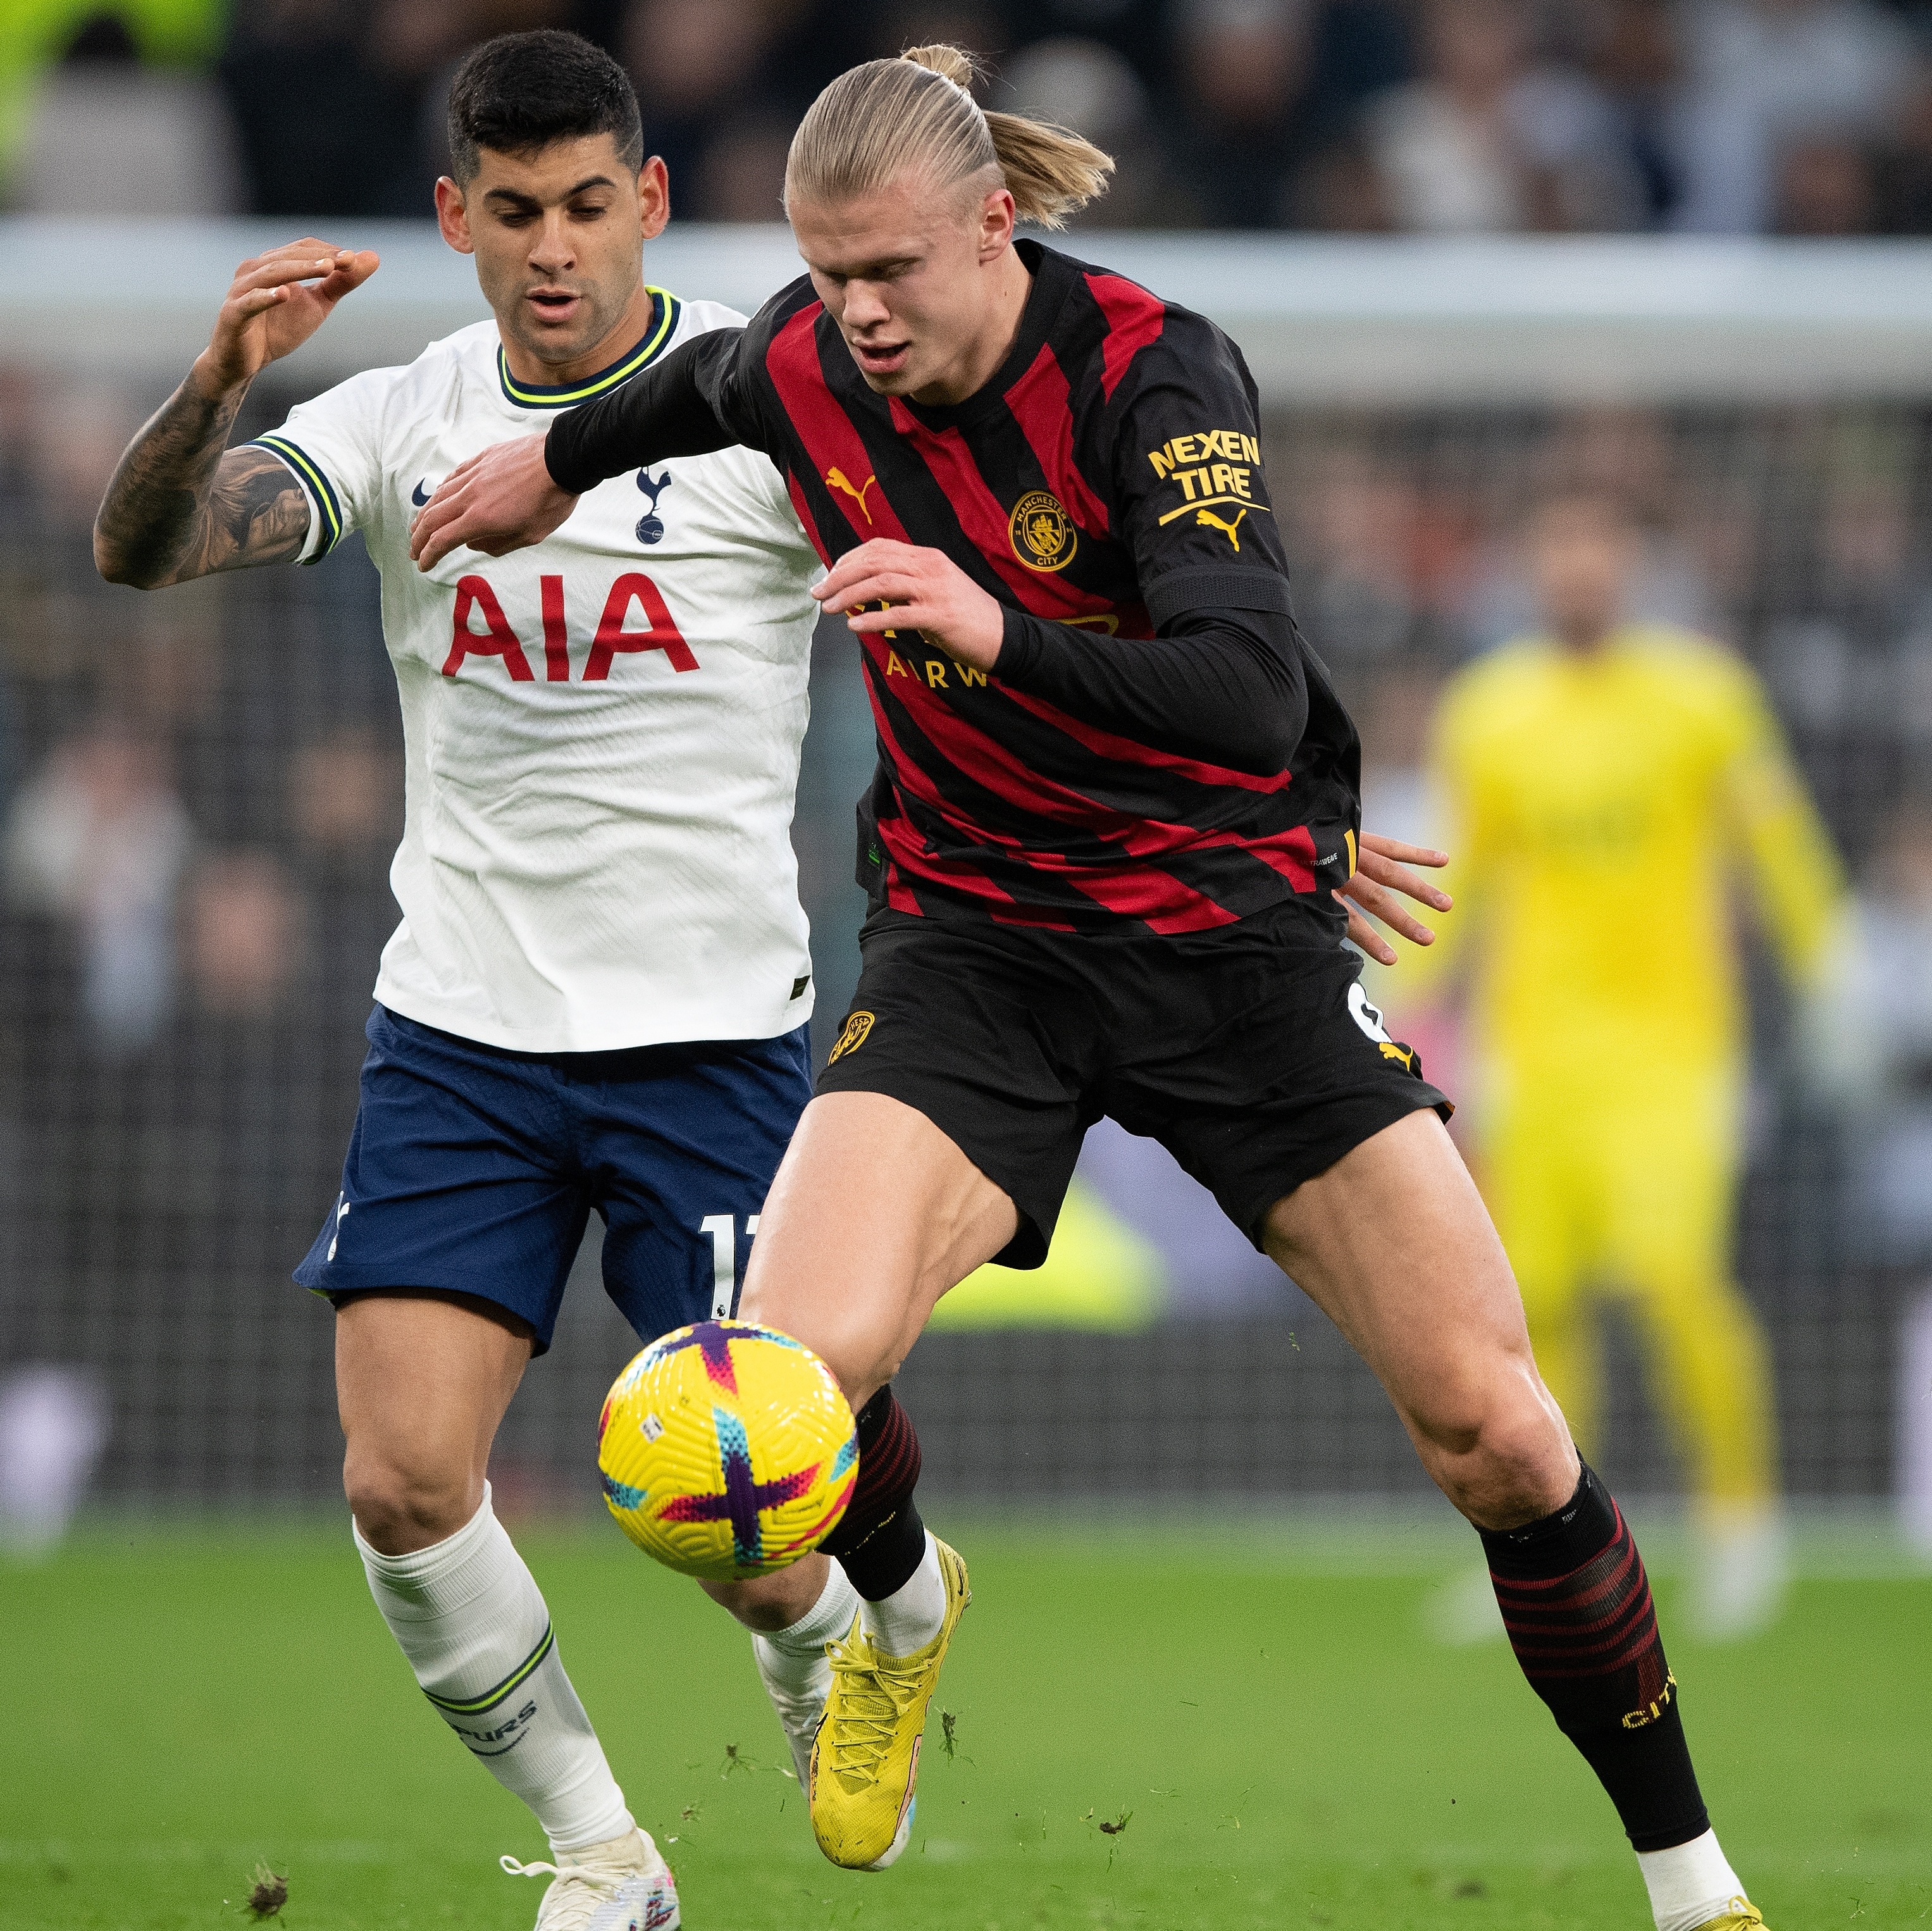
(663, 411)
(1225, 686)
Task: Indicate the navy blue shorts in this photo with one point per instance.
(475, 1169)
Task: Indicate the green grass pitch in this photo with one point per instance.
(1284, 1747)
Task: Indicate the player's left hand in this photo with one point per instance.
(928, 592)
(1381, 872)
(501, 500)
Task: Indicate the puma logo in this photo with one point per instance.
(1404, 1056)
(836, 478)
(1205, 518)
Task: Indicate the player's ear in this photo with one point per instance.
(997, 217)
(653, 198)
(452, 217)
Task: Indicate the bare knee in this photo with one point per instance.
(402, 1503)
(770, 1603)
(1501, 1454)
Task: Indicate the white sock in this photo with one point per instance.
(911, 1616)
(792, 1663)
(472, 1621)
(1689, 1884)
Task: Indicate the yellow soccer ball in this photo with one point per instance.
(726, 1450)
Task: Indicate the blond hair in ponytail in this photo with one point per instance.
(889, 118)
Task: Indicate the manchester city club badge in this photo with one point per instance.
(1042, 536)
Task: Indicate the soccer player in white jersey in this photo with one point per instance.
(597, 998)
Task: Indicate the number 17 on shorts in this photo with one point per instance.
(722, 1231)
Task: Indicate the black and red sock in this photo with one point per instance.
(1577, 1604)
(881, 1538)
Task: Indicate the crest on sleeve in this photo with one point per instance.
(1042, 535)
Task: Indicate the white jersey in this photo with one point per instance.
(602, 731)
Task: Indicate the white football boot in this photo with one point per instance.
(800, 1710)
(622, 1885)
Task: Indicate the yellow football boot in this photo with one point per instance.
(1740, 1915)
(865, 1759)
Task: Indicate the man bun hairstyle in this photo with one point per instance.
(519, 92)
(888, 118)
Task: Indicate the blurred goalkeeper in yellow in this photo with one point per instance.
(1608, 782)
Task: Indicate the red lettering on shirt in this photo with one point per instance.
(557, 634)
(499, 640)
(612, 637)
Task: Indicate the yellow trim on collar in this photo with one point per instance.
(667, 308)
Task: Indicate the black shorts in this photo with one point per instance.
(1251, 1052)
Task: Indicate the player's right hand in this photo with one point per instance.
(275, 303)
(500, 500)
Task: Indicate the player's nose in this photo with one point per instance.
(552, 248)
(865, 306)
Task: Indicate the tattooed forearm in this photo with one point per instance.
(182, 505)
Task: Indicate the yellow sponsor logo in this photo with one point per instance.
(935, 670)
(836, 478)
(1043, 537)
(1404, 1056)
(1206, 519)
(1213, 468)
(1184, 452)
(858, 1030)
(1637, 1719)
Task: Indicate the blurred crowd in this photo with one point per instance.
(1804, 117)
(200, 792)
(199, 795)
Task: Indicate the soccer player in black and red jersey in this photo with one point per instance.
(1115, 794)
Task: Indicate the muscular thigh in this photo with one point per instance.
(874, 1214)
(422, 1379)
(1393, 1244)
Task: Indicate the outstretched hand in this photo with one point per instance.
(884, 585)
(275, 303)
(1382, 873)
(500, 500)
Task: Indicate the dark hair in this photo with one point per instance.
(521, 91)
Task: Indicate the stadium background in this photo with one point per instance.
(1476, 249)
(199, 791)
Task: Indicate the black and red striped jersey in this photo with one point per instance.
(1108, 478)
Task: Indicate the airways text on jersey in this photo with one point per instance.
(1109, 477)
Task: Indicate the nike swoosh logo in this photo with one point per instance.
(419, 496)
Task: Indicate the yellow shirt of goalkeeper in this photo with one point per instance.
(1603, 804)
